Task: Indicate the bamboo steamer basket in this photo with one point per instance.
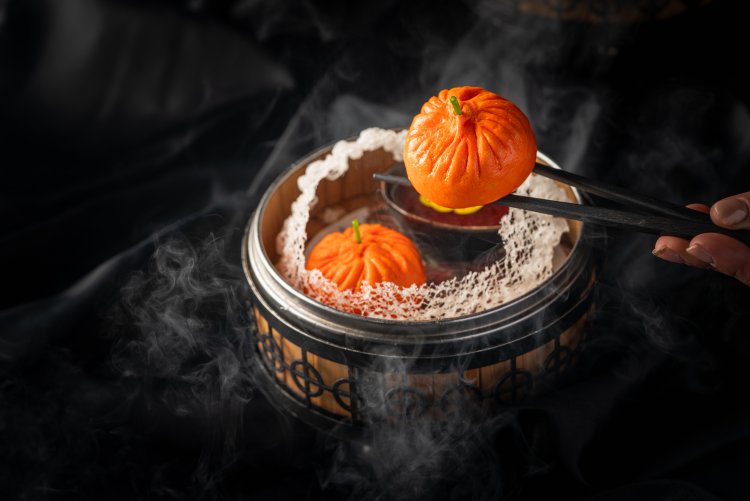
(340, 372)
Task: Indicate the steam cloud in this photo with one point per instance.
(183, 322)
(181, 332)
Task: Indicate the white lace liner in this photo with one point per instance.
(529, 238)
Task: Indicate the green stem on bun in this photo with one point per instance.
(357, 236)
(456, 106)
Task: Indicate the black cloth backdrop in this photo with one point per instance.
(137, 137)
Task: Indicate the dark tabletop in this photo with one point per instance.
(137, 137)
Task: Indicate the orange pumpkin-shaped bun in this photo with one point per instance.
(471, 151)
(369, 252)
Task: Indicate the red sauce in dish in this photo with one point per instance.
(408, 199)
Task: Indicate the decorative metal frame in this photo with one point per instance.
(399, 401)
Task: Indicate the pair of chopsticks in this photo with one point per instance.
(647, 214)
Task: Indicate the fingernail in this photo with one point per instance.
(730, 211)
(667, 254)
(699, 252)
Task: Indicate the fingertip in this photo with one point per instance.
(670, 249)
(722, 253)
(667, 254)
(674, 243)
(700, 253)
(675, 250)
(659, 246)
(699, 207)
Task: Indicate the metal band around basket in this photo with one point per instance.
(426, 360)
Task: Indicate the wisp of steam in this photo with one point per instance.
(183, 323)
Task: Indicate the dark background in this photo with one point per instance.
(136, 137)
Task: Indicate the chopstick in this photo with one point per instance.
(648, 223)
(390, 178)
(621, 195)
(614, 218)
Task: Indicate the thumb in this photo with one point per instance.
(732, 212)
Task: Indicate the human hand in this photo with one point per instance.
(714, 250)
